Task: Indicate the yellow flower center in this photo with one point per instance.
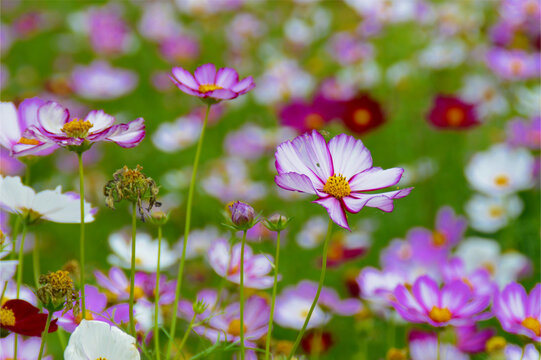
(455, 116)
(77, 128)
(314, 121)
(7, 317)
(27, 141)
(205, 88)
(337, 186)
(516, 66)
(440, 315)
(101, 358)
(438, 239)
(138, 292)
(501, 180)
(496, 211)
(495, 344)
(532, 324)
(361, 117)
(396, 354)
(234, 327)
(79, 317)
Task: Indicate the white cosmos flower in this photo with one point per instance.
(51, 205)
(485, 253)
(501, 170)
(483, 91)
(7, 267)
(146, 252)
(489, 214)
(99, 340)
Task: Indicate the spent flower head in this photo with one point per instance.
(57, 292)
(134, 186)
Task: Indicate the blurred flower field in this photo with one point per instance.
(303, 179)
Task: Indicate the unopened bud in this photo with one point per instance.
(199, 307)
(277, 222)
(242, 215)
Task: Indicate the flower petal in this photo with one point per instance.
(314, 153)
(295, 182)
(426, 291)
(375, 178)
(222, 94)
(128, 135)
(288, 160)
(9, 123)
(335, 210)
(28, 112)
(52, 116)
(227, 78)
(383, 201)
(349, 155)
(454, 295)
(205, 74)
(99, 120)
(185, 77)
(243, 86)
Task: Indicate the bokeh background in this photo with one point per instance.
(402, 54)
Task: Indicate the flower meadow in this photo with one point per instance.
(250, 179)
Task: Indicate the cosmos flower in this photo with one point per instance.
(55, 127)
(206, 82)
(449, 112)
(339, 173)
(470, 339)
(424, 346)
(98, 340)
(23, 318)
(500, 170)
(525, 133)
(303, 116)
(146, 252)
(490, 214)
(50, 205)
(362, 114)
(479, 280)
(515, 352)
(454, 304)
(14, 123)
(226, 262)
(117, 284)
(100, 81)
(293, 304)
(177, 135)
(513, 65)
(484, 92)
(518, 312)
(27, 349)
(109, 33)
(486, 254)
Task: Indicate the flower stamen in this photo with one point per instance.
(77, 128)
(337, 186)
(440, 315)
(234, 327)
(532, 324)
(205, 88)
(27, 141)
(7, 317)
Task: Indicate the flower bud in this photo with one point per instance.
(242, 215)
(199, 307)
(277, 222)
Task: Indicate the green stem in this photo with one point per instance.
(438, 346)
(132, 272)
(157, 297)
(44, 335)
(14, 235)
(35, 261)
(320, 285)
(242, 243)
(19, 278)
(82, 236)
(271, 318)
(186, 233)
(61, 338)
(185, 337)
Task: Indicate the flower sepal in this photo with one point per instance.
(79, 149)
(240, 216)
(277, 222)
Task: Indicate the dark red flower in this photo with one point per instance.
(316, 341)
(23, 318)
(304, 116)
(362, 114)
(449, 112)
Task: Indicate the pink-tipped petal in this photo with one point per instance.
(243, 86)
(295, 182)
(185, 77)
(185, 88)
(52, 117)
(205, 74)
(99, 120)
(313, 151)
(227, 78)
(289, 160)
(375, 178)
(9, 124)
(454, 295)
(383, 201)
(128, 135)
(334, 208)
(28, 112)
(349, 155)
(534, 302)
(426, 291)
(222, 94)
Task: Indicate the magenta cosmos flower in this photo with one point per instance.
(339, 173)
(54, 126)
(455, 304)
(207, 83)
(519, 313)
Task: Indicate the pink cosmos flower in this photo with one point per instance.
(54, 127)
(513, 64)
(454, 304)
(519, 313)
(14, 123)
(28, 348)
(207, 83)
(117, 284)
(424, 346)
(515, 352)
(525, 133)
(226, 262)
(479, 280)
(340, 173)
(470, 339)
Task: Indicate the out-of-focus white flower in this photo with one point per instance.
(199, 242)
(443, 53)
(312, 233)
(100, 81)
(417, 172)
(99, 340)
(501, 170)
(51, 205)
(181, 133)
(529, 101)
(146, 252)
(490, 214)
(483, 92)
(485, 253)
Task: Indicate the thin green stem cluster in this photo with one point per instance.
(273, 301)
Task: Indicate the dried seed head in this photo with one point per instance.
(57, 292)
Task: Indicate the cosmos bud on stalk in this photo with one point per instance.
(277, 222)
(133, 186)
(57, 292)
(242, 215)
(199, 307)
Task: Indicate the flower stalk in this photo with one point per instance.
(243, 242)
(320, 285)
(186, 231)
(132, 267)
(82, 234)
(157, 297)
(273, 301)
(44, 335)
